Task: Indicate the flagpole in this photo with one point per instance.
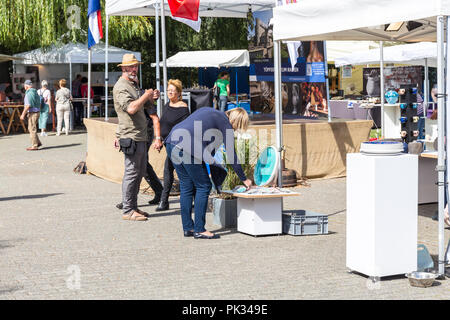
(89, 84)
(163, 43)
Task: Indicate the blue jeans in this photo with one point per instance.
(223, 100)
(191, 176)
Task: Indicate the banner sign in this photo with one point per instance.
(262, 70)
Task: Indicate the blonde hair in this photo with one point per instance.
(62, 83)
(44, 84)
(238, 118)
(177, 84)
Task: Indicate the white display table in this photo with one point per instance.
(382, 214)
(260, 214)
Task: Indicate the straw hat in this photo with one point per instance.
(129, 59)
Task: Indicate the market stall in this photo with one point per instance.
(418, 54)
(65, 61)
(208, 59)
(350, 20)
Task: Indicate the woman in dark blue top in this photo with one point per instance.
(192, 143)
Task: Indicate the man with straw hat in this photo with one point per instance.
(131, 104)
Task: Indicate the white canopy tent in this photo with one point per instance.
(207, 8)
(414, 54)
(72, 53)
(367, 20)
(420, 53)
(338, 49)
(75, 53)
(209, 59)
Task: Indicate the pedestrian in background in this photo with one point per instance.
(45, 93)
(32, 107)
(223, 83)
(63, 105)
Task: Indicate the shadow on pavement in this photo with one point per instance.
(61, 146)
(9, 290)
(31, 196)
(9, 243)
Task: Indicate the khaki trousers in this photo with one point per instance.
(33, 119)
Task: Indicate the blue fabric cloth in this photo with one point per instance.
(203, 120)
(191, 176)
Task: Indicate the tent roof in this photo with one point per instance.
(208, 8)
(209, 58)
(357, 19)
(338, 49)
(414, 53)
(73, 52)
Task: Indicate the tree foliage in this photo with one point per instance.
(30, 24)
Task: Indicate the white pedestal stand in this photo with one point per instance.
(260, 214)
(382, 211)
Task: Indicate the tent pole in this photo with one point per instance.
(326, 79)
(441, 151)
(158, 68)
(70, 85)
(237, 90)
(278, 110)
(140, 76)
(382, 88)
(106, 68)
(426, 90)
(70, 74)
(163, 44)
(441, 168)
(89, 84)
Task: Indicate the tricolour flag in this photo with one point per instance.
(95, 32)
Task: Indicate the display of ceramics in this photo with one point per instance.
(266, 167)
(391, 96)
(381, 147)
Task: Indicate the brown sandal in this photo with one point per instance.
(145, 214)
(134, 216)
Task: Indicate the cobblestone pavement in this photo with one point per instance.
(61, 237)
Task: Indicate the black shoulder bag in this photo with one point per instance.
(127, 146)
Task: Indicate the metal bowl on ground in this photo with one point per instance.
(421, 279)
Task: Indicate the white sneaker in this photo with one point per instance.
(58, 133)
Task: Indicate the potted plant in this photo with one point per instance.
(224, 205)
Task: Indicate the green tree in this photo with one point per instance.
(29, 24)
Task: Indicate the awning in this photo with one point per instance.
(73, 53)
(414, 54)
(209, 58)
(207, 8)
(358, 20)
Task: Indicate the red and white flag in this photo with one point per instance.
(187, 9)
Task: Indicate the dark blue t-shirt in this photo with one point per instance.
(202, 133)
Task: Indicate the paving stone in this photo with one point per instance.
(55, 223)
